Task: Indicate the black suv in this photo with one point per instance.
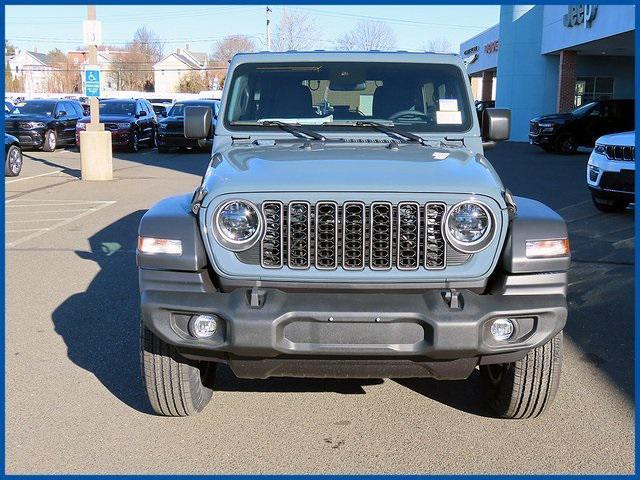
(44, 123)
(565, 132)
(171, 128)
(130, 121)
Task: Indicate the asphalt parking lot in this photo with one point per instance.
(74, 400)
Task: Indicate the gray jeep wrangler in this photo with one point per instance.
(349, 226)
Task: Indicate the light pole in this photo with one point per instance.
(96, 157)
(268, 29)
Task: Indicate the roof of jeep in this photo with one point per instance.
(352, 56)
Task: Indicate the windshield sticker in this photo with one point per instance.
(449, 118)
(448, 104)
(440, 155)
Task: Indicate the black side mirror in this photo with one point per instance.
(496, 126)
(164, 113)
(197, 122)
(62, 113)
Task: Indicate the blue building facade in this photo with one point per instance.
(542, 59)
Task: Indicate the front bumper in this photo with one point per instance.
(541, 139)
(29, 138)
(611, 179)
(285, 333)
(177, 140)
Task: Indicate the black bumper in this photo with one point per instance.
(615, 195)
(541, 139)
(29, 138)
(178, 140)
(347, 334)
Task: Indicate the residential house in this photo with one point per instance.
(168, 71)
(34, 70)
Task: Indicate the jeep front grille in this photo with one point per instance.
(353, 236)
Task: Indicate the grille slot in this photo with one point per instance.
(353, 235)
(408, 236)
(381, 236)
(435, 251)
(617, 152)
(271, 247)
(299, 235)
(326, 237)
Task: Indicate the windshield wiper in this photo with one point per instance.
(294, 129)
(390, 129)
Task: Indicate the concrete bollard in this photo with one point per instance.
(96, 157)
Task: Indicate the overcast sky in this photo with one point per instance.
(201, 25)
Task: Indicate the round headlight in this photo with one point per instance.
(468, 226)
(237, 224)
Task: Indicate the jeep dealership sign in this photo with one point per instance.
(579, 14)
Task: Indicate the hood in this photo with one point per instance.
(624, 139)
(28, 117)
(554, 118)
(171, 120)
(348, 168)
(111, 118)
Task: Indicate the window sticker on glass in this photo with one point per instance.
(448, 118)
(448, 104)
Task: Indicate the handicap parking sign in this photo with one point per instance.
(92, 81)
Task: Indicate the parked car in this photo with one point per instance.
(131, 122)
(171, 129)
(12, 156)
(44, 123)
(378, 242)
(565, 132)
(611, 172)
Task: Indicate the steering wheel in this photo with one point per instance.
(409, 114)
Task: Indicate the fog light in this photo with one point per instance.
(502, 329)
(203, 326)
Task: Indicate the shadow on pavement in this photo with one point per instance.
(100, 326)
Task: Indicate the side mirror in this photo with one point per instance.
(496, 126)
(164, 113)
(62, 113)
(197, 122)
(142, 113)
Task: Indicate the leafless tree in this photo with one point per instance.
(295, 31)
(439, 45)
(133, 70)
(368, 35)
(226, 48)
(193, 82)
(65, 77)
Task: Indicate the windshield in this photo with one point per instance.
(418, 97)
(583, 110)
(117, 108)
(178, 109)
(34, 108)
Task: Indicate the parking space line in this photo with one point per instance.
(68, 220)
(37, 220)
(24, 230)
(75, 204)
(32, 176)
(49, 211)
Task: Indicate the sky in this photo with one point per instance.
(60, 26)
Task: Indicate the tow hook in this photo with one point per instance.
(453, 298)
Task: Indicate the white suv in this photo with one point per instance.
(611, 172)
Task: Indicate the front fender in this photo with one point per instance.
(172, 219)
(533, 221)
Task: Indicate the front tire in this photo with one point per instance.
(175, 386)
(526, 388)
(566, 144)
(50, 141)
(13, 164)
(609, 206)
(134, 143)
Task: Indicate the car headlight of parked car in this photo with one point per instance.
(31, 125)
(123, 126)
(237, 225)
(599, 149)
(81, 126)
(469, 226)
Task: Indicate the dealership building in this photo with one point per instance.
(543, 59)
